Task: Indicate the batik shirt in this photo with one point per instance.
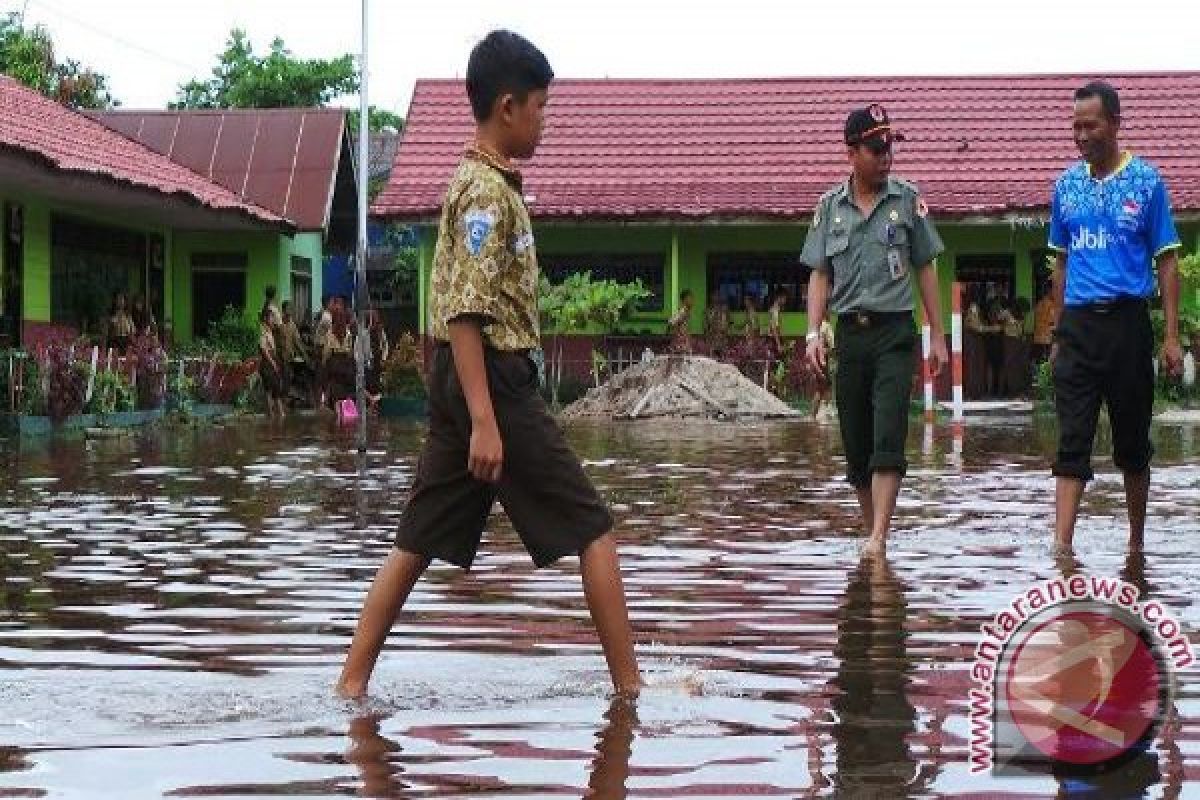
(485, 264)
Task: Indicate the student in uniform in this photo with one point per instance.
(490, 434)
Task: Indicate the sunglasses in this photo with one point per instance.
(878, 145)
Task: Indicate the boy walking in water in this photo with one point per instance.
(490, 434)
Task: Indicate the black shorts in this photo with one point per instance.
(1105, 354)
(552, 505)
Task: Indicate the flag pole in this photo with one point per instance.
(363, 346)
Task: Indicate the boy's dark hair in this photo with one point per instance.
(685, 294)
(270, 292)
(1107, 94)
(504, 62)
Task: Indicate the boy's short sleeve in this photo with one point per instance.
(479, 231)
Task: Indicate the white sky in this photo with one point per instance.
(149, 47)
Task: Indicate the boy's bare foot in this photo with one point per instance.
(349, 691)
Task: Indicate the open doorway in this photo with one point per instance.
(994, 354)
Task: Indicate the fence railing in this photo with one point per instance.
(216, 379)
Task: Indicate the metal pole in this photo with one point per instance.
(363, 350)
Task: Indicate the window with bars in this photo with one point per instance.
(761, 275)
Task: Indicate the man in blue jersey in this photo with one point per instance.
(1110, 223)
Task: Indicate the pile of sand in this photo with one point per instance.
(679, 386)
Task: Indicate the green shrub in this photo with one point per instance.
(232, 336)
(111, 392)
(183, 392)
(1043, 384)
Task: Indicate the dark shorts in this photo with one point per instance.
(552, 505)
(873, 388)
(1104, 355)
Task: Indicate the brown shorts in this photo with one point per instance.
(552, 505)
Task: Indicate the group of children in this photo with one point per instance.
(125, 322)
(318, 361)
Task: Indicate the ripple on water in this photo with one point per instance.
(181, 607)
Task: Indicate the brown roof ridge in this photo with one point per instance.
(282, 159)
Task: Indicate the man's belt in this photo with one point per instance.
(872, 319)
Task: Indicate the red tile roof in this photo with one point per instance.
(70, 141)
(283, 159)
(769, 148)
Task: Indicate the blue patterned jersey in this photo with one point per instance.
(1111, 230)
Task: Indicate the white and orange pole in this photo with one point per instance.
(956, 341)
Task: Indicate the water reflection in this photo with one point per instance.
(614, 746)
(187, 598)
(874, 719)
(376, 758)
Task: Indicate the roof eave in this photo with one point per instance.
(269, 221)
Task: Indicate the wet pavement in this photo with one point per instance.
(174, 607)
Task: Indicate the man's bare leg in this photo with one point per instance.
(605, 593)
(885, 488)
(1137, 495)
(389, 591)
(1068, 492)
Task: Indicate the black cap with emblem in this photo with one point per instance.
(871, 126)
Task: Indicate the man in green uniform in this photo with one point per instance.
(870, 240)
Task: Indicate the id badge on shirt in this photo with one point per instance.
(896, 264)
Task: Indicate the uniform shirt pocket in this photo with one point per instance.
(836, 245)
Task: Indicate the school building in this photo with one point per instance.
(191, 210)
(709, 185)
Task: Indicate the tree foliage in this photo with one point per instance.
(243, 78)
(277, 79)
(27, 55)
(378, 119)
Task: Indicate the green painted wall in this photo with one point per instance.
(305, 245)
(38, 212)
(36, 241)
(263, 261)
(269, 259)
(692, 244)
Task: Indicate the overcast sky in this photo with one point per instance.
(149, 47)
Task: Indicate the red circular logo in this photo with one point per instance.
(1085, 687)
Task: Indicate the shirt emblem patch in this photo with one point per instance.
(479, 224)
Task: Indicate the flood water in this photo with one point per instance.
(174, 607)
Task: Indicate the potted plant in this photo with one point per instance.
(402, 382)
